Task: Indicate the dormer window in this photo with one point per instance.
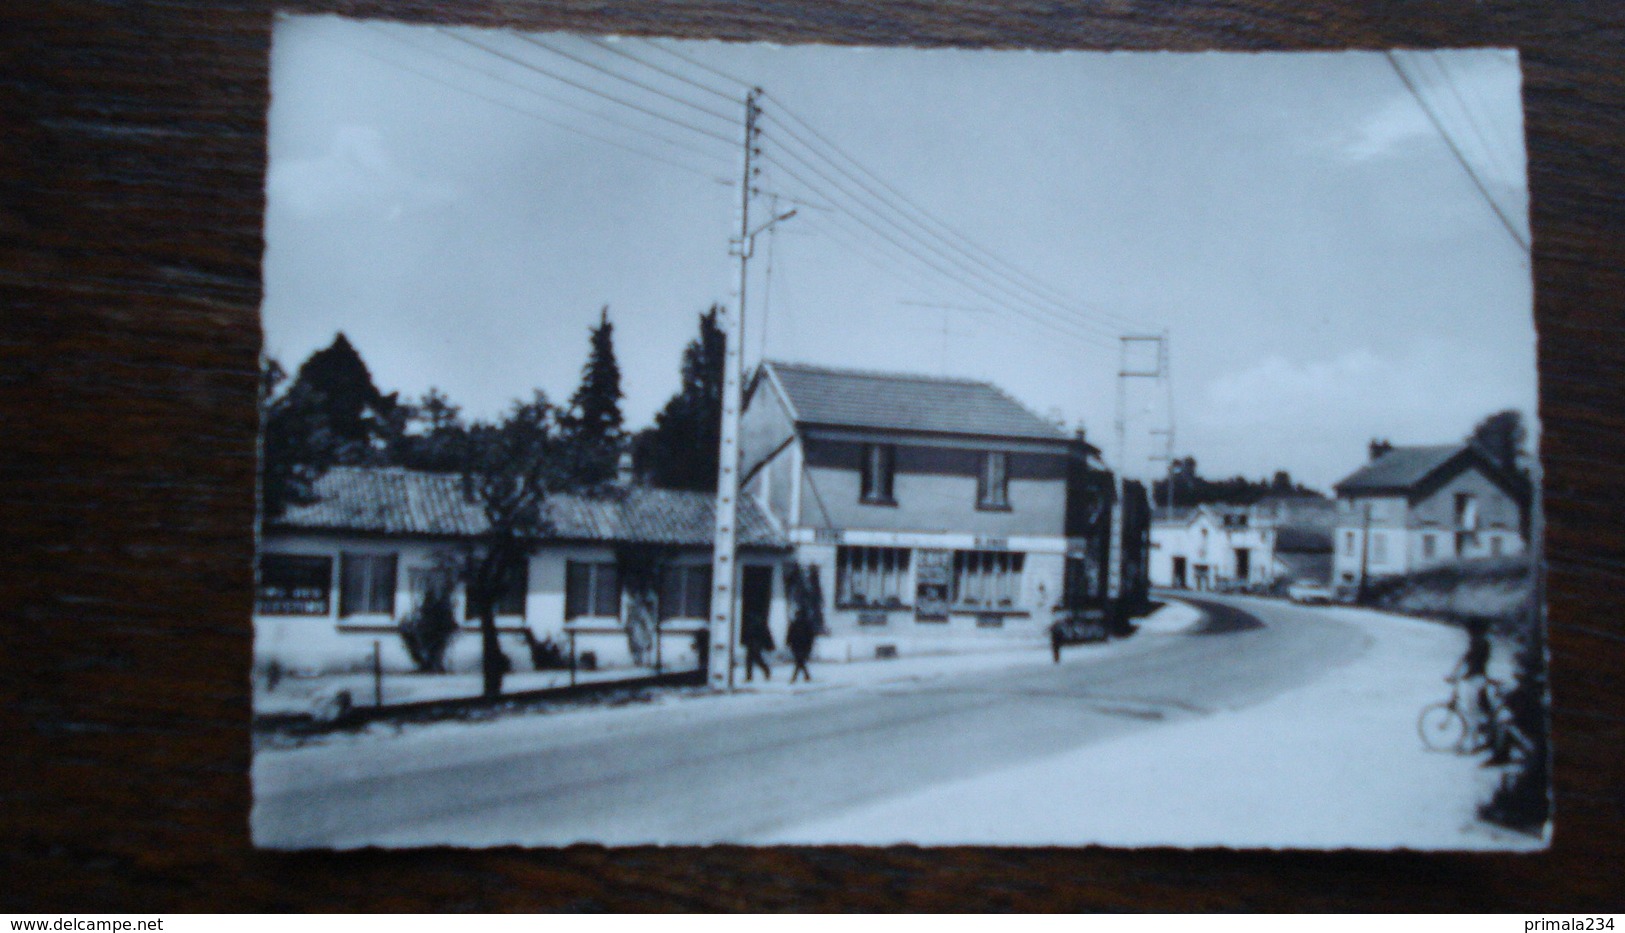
(993, 484)
(879, 469)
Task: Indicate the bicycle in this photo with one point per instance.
(1471, 722)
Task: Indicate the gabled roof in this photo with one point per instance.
(1401, 469)
(397, 501)
(899, 402)
(1415, 470)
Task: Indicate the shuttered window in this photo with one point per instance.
(879, 472)
(591, 589)
(993, 484)
(685, 592)
(366, 584)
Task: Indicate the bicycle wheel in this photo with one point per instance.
(1442, 728)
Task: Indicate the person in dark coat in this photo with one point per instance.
(758, 641)
(803, 633)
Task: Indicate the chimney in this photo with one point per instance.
(624, 475)
(1379, 447)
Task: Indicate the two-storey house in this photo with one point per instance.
(934, 510)
(1410, 508)
(1261, 546)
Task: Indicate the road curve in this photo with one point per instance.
(736, 769)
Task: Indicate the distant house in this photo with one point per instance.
(1260, 546)
(340, 573)
(938, 513)
(1410, 508)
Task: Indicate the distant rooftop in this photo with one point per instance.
(1400, 469)
(398, 501)
(901, 402)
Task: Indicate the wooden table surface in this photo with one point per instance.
(132, 160)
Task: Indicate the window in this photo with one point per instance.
(1348, 544)
(1379, 548)
(993, 485)
(871, 576)
(366, 584)
(1495, 545)
(513, 598)
(1430, 546)
(591, 590)
(988, 579)
(685, 592)
(879, 468)
(1466, 512)
(294, 585)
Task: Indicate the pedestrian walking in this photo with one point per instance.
(758, 641)
(803, 633)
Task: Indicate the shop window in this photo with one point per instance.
(988, 579)
(871, 576)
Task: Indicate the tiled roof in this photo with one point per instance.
(894, 401)
(392, 500)
(1401, 468)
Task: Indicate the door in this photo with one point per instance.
(755, 602)
(1179, 572)
(1244, 564)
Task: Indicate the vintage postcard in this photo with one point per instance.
(684, 442)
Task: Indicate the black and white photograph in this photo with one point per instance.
(685, 442)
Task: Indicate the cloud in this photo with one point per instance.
(1473, 94)
(1310, 416)
(357, 174)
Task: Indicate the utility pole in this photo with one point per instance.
(1114, 564)
(722, 627)
(724, 573)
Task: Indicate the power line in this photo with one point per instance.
(966, 245)
(662, 47)
(611, 47)
(530, 66)
(628, 80)
(1455, 150)
(559, 124)
(815, 170)
(1053, 327)
(1444, 77)
(543, 95)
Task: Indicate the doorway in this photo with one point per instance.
(1244, 565)
(755, 603)
(1179, 572)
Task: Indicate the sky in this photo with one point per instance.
(1325, 268)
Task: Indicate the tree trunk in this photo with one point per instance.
(492, 661)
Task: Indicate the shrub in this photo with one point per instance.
(1523, 799)
(428, 631)
(545, 653)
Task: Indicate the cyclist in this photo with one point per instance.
(1471, 673)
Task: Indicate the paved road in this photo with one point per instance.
(736, 769)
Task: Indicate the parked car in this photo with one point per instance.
(1080, 627)
(1310, 593)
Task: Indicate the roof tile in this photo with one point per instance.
(901, 402)
(394, 500)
